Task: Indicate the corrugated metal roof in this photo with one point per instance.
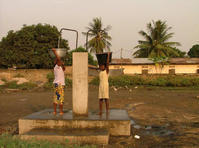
(142, 61)
(121, 61)
(184, 60)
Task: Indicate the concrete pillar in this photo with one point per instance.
(80, 83)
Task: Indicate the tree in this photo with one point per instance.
(28, 47)
(100, 40)
(194, 51)
(181, 54)
(156, 43)
(91, 60)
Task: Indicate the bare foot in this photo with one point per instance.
(61, 113)
(100, 113)
(107, 114)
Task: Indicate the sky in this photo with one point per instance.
(127, 18)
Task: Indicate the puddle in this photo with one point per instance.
(22, 100)
(158, 130)
(153, 130)
(132, 122)
(148, 127)
(195, 124)
(137, 126)
(162, 132)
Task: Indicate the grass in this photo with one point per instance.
(18, 75)
(14, 85)
(160, 81)
(4, 80)
(9, 141)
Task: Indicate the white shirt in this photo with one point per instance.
(59, 75)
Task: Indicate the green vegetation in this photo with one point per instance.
(28, 47)
(181, 54)
(100, 40)
(50, 77)
(8, 141)
(91, 60)
(163, 81)
(194, 51)
(18, 75)
(4, 79)
(156, 43)
(23, 86)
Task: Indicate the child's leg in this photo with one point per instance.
(107, 105)
(100, 106)
(61, 109)
(61, 92)
(55, 99)
(55, 106)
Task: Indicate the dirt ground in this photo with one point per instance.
(161, 117)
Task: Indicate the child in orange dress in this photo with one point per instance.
(59, 83)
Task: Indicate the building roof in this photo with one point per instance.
(184, 61)
(146, 61)
(123, 61)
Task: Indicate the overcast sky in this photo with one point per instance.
(127, 18)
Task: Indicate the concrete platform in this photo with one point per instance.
(117, 123)
(88, 136)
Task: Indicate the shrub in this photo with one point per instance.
(28, 47)
(4, 79)
(18, 75)
(120, 81)
(11, 85)
(91, 60)
(23, 86)
(172, 81)
(68, 82)
(27, 85)
(50, 77)
(158, 82)
(95, 81)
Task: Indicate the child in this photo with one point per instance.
(59, 83)
(104, 86)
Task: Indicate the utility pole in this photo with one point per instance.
(121, 58)
(121, 54)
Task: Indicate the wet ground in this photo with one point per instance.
(159, 117)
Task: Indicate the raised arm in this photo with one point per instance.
(107, 64)
(59, 62)
(57, 57)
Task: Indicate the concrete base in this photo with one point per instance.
(117, 123)
(88, 136)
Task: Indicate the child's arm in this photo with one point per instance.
(58, 59)
(107, 64)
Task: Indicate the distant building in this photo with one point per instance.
(146, 66)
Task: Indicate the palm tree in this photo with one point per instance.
(156, 42)
(100, 40)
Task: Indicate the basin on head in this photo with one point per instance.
(102, 58)
(61, 52)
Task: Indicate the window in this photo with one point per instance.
(144, 71)
(171, 71)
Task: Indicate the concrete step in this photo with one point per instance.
(118, 122)
(85, 136)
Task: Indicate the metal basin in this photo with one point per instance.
(61, 52)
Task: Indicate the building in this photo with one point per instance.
(146, 66)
